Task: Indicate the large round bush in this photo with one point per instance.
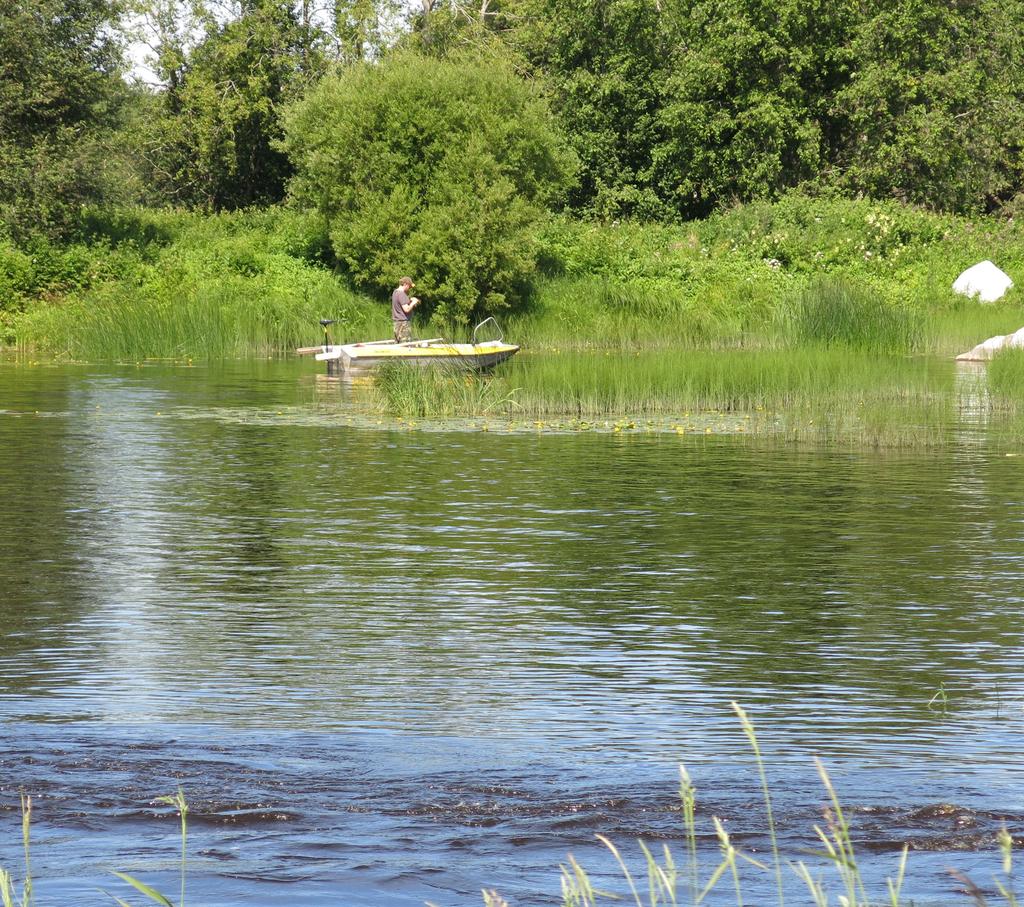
(437, 168)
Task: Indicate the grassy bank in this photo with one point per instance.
(144, 284)
(849, 273)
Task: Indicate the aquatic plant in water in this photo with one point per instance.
(811, 393)
(7, 886)
(837, 848)
(179, 803)
(410, 392)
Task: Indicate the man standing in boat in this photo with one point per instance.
(402, 305)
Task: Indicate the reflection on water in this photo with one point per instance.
(391, 666)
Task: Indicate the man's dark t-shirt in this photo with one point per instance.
(399, 298)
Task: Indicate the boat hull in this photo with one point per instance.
(356, 359)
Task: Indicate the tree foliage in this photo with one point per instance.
(673, 108)
(213, 142)
(606, 63)
(438, 168)
(743, 115)
(931, 112)
(679, 107)
(60, 94)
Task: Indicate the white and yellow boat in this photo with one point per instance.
(356, 359)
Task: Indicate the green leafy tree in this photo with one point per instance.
(361, 28)
(745, 110)
(168, 29)
(438, 168)
(606, 62)
(680, 107)
(213, 144)
(60, 95)
(932, 110)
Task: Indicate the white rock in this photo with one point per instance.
(983, 280)
(988, 348)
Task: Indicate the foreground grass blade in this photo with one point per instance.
(178, 802)
(150, 893)
(7, 894)
(688, 798)
(26, 822)
(748, 729)
(842, 854)
(661, 881)
(622, 865)
(576, 888)
(1006, 847)
(894, 887)
(815, 886)
(6, 889)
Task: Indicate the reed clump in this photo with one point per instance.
(841, 313)
(410, 392)
(810, 393)
(595, 384)
(670, 884)
(1006, 379)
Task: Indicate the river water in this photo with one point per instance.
(390, 665)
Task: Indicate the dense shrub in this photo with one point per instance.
(16, 277)
(813, 234)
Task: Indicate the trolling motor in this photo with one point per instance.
(324, 322)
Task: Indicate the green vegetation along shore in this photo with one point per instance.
(832, 316)
(853, 275)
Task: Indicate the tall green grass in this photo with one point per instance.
(410, 392)
(960, 324)
(834, 311)
(653, 383)
(667, 886)
(810, 393)
(841, 313)
(607, 314)
(227, 318)
(213, 287)
(1006, 379)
